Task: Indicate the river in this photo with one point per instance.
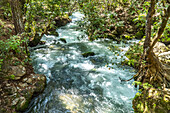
(77, 84)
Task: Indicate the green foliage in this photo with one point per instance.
(2, 32)
(133, 54)
(41, 13)
(128, 37)
(12, 44)
(145, 85)
(1, 62)
(137, 95)
(137, 83)
(93, 22)
(159, 14)
(6, 9)
(101, 22)
(12, 47)
(12, 76)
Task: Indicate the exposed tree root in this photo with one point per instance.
(155, 73)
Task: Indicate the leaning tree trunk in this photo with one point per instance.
(153, 99)
(17, 16)
(154, 71)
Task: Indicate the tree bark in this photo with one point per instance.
(17, 16)
(151, 11)
(153, 68)
(161, 29)
(153, 71)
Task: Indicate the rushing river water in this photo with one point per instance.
(77, 84)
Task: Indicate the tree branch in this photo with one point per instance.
(161, 29)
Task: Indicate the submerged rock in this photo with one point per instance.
(88, 54)
(63, 40)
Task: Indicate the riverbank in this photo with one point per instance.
(18, 81)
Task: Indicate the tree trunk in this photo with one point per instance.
(148, 25)
(161, 29)
(17, 16)
(153, 71)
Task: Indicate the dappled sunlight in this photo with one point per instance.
(78, 103)
(72, 102)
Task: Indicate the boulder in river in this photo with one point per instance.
(63, 40)
(88, 54)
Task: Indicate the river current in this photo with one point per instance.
(77, 84)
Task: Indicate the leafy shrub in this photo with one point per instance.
(12, 47)
(133, 54)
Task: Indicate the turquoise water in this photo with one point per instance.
(76, 84)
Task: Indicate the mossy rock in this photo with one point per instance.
(87, 54)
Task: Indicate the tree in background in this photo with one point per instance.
(17, 15)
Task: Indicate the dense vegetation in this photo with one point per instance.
(24, 22)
